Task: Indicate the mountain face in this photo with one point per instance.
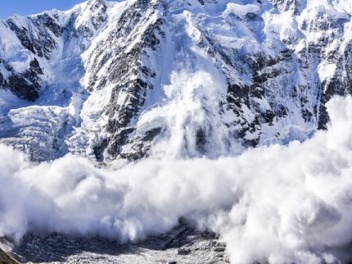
(173, 78)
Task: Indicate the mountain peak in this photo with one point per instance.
(96, 3)
(295, 5)
(92, 16)
(270, 74)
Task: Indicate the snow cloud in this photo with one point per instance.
(279, 204)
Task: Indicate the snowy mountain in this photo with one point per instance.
(180, 78)
(191, 84)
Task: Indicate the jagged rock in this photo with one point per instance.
(6, 259)
(132, 77)
(183, 244)
(183, 251)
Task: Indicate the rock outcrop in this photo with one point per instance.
(134, 78)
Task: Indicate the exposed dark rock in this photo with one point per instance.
(24, 90)
(6, 259)
(183, 251)
(182, 241)
(269, 80)
(1, 80)
(201, 140)
(22, 35)
(51, 24)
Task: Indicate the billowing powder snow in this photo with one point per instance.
(281, 204)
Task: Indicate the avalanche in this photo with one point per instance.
(279, 204)
(211, 110)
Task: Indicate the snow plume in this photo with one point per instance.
(190, 117)
(279, 204)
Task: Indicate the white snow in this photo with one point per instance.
(277, 204)
(280, 204)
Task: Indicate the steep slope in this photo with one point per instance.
(172, 78)
(41, 54)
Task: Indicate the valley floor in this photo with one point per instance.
(183, 244)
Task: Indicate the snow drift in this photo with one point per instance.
(280, 204)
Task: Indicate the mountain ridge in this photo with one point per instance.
(254, 73)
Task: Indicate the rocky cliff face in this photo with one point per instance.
(178, 78)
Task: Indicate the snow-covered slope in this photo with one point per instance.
(171, 78)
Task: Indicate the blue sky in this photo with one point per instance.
(25, 7)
